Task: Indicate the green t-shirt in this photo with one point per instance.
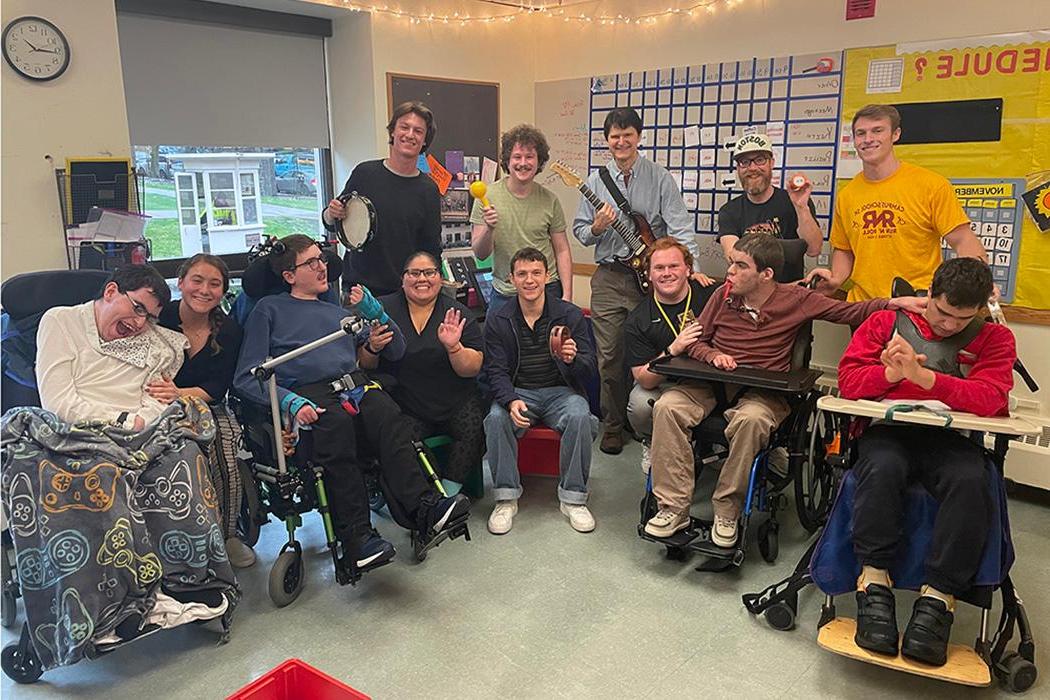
(522, 222)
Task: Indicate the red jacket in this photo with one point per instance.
(983, 391)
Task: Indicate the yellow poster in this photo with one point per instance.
(1011, 67)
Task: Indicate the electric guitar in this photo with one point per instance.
(638, 234)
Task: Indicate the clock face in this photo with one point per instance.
(36, 48)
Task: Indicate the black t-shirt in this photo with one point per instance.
(427, 387)
(210, 369)
(646, 333)
(775, 216)
(408, 219)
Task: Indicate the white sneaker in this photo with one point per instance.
(502, 518)
(778, 461)
(667, 522)
(723, 532)
(241, 555)
(579, 516)
(647, 459)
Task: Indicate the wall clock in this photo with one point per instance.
(35, 48)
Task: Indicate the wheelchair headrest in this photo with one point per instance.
(35, 292)
(901, 287)
(259, 280)
(794, 254)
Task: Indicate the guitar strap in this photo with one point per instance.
(617, 195)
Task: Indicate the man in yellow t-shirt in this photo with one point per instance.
(890, 218)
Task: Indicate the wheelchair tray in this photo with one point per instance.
(964, 665)
(798, 380)
(1011, 425)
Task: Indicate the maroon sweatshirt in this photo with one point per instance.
(766, 343)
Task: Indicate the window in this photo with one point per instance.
(223, 200)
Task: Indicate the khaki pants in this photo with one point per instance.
(614, 294)
(751, 422)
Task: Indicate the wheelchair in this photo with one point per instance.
(824, 561)
(799, 434)
(288, 491)
(765, 492)
(778, 603)
(24, 299)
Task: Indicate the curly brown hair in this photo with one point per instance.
(525, 135)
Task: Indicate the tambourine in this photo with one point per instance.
(356, 229)
(559, 334)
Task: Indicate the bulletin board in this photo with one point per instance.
(694, 114)
(466, 112)
(991, 172)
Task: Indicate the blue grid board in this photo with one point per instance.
(997, 220)
(730, 97)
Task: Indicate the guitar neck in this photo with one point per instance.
(627, 232)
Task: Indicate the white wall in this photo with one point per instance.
(81, 113)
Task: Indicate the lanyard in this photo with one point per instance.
(667, 320)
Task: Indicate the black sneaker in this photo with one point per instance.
(928, 631)
(373, 551)
(877, 620)
(446, 510)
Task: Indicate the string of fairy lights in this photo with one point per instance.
(573, 12)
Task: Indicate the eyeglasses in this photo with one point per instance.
(315, 264)
(429, 273)
(757, 160)
(140, 310)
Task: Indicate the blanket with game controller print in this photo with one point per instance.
(104, 518)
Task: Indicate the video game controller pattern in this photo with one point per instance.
(116, 550)
(73, 628)
(22, 507)
(62, 490)
(40, 568)
(170, 494)
(181, 548)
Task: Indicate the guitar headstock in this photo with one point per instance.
(566, 174)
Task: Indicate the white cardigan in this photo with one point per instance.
(82, 378)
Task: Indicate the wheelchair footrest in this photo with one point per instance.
(347, 573)
(423, 543)
(697, 538)
(964, 665)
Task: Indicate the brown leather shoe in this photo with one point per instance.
(612, 443)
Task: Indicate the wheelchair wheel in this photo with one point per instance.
(286, 578)
(1016, 673)
(248, 525)
(814, 479)
(19, 666)
(780, 616)
(376, 499)
(769, 540)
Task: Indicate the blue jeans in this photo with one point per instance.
(557, 407)
(499, 300)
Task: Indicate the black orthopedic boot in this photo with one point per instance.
(928, 631)
(877, 620)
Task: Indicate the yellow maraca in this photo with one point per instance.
(478, 190)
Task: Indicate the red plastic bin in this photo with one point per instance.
(538, 452)
(296, 680)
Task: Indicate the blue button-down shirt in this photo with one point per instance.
(653, 193)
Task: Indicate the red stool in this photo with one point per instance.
(538, 452)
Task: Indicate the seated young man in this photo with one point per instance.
(750, 320)
(663, 323)
(533, 380)
(95, 359)
(949, 355)
(284, 322)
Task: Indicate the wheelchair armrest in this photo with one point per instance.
(795, 381)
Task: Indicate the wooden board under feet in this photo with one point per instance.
(964, 665)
